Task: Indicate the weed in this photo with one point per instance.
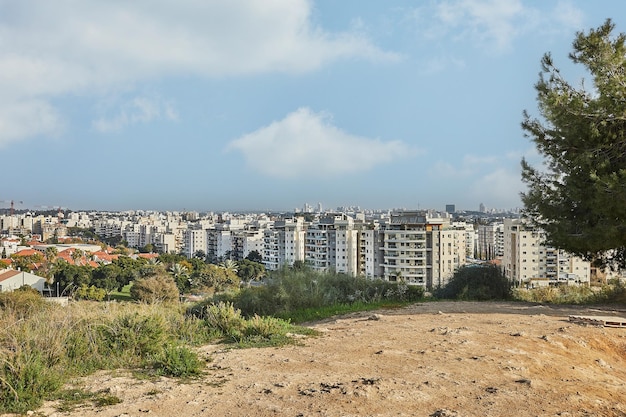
(178, 361)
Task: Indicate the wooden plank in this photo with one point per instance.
(605, 321)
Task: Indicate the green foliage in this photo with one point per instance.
(266, 327)
(69, 277)
(481, 283)
(134, 335)
(227, 319)
(43, 345)
(255, 256)
(578, 196)
(25, 379)
(89, 293)
(22, 304)
(178, 361)
(108, 277)
(155, 289)
(574, 294)
(289, 290)
(210, 277)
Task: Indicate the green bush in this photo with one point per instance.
(25, 379)
(22, 304)
(89, 293)
(134, 336)
(155, 289)
(266, 327)
(226, 319)
(178, 361)
(481, 283)
(573, 294)
(290, 289)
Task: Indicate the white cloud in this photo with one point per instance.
(499, 188)
(136, 111)
(19, 119)
(305, 143)
(568, 15)
(490, 21)
(490, 24)
(54, 48)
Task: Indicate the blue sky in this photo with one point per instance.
(266, 105)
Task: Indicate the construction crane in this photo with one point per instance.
(12, 202)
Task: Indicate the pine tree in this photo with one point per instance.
(579, 196)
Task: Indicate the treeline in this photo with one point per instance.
(194, 275)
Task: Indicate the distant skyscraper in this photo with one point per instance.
(481, 208)
(319, 207)
(450, 208)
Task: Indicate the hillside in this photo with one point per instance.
(431, 359)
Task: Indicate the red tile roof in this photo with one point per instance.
(26, 252)
(4, 275)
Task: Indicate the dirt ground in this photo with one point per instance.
(430, 359)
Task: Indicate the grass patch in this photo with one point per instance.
(44, 345)
(123, 295)
(306, 315)
(73, 398)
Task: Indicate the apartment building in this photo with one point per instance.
(194, 240)
(246, 241)
(331, 244)
(528, 261)
(370, 251)
(490, 244)
(284, 243)
(421, 250)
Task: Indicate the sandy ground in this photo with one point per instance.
(430, 359)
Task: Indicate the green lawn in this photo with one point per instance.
(123, 295)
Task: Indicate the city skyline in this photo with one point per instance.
(229, 106)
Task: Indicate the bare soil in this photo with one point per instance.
(430, 359)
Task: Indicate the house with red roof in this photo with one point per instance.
(10, 280)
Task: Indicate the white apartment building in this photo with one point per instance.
(331, 244)
(370, 252)
(194, 240)
(528, 261)
(284, 243)
(471, 237)
(422, 250)
(490, 244)
(246, 241)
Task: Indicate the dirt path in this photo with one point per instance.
(431, 359)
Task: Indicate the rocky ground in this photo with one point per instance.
(430, 359)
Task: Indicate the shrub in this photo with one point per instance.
(485, 282)
(178, 361)
(134, 336)
(89, 293)
(25, 379)
(266, 327)
(22, 303)
(225, 318)
(155, 289)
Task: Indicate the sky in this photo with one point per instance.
(250, 105)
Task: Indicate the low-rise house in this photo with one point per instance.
(11, 279)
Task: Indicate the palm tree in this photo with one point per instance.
(178, 270)
(48, 266)
(229, 265)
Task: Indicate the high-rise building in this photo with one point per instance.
(331, 244)
(283, 244)
(528, 261)
(421, 250)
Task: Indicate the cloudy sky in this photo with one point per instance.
(267, 105)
